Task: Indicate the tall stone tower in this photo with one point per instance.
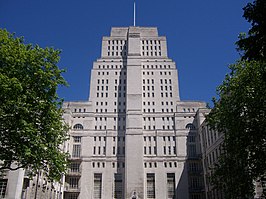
(130, 139)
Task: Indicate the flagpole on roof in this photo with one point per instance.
(134, 13)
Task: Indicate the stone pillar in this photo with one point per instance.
(15, 184)
(134, 171)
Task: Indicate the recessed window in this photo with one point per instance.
(77, 139)
(78, 126)
(190, 126)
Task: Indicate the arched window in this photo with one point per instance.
(190, 126)
(78, 126)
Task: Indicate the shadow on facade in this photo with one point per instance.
(193, 164)
(182, 184)
(119, 176)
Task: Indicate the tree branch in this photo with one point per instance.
(13, 169)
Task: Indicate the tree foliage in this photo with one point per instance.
(240, 112)
(253, 44)
(31, 127)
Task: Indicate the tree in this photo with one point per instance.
(253, 45)
(32, 130)
(240, 112)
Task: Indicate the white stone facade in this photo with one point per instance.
(19, 185)
(130, 139)
(211, 142)
(211, 148)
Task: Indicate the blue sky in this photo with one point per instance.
(200, 36)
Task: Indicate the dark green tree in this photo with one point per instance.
(240, 114)
(253, 44)
(32, 130)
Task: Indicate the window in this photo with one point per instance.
(73, 182)
(195, 182)
(72, 195)
(78, 126)
(191, 138)
(113, 150)
(99, 149)
(118, 188)
(77, 139)
(76, 151)
(194, 167)
(170, 185)
(97, 188)
(192, 151)
(3, 184)
(150, 185)
(190, 126)
(74, 167)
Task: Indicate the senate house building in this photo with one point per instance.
(134, 137)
